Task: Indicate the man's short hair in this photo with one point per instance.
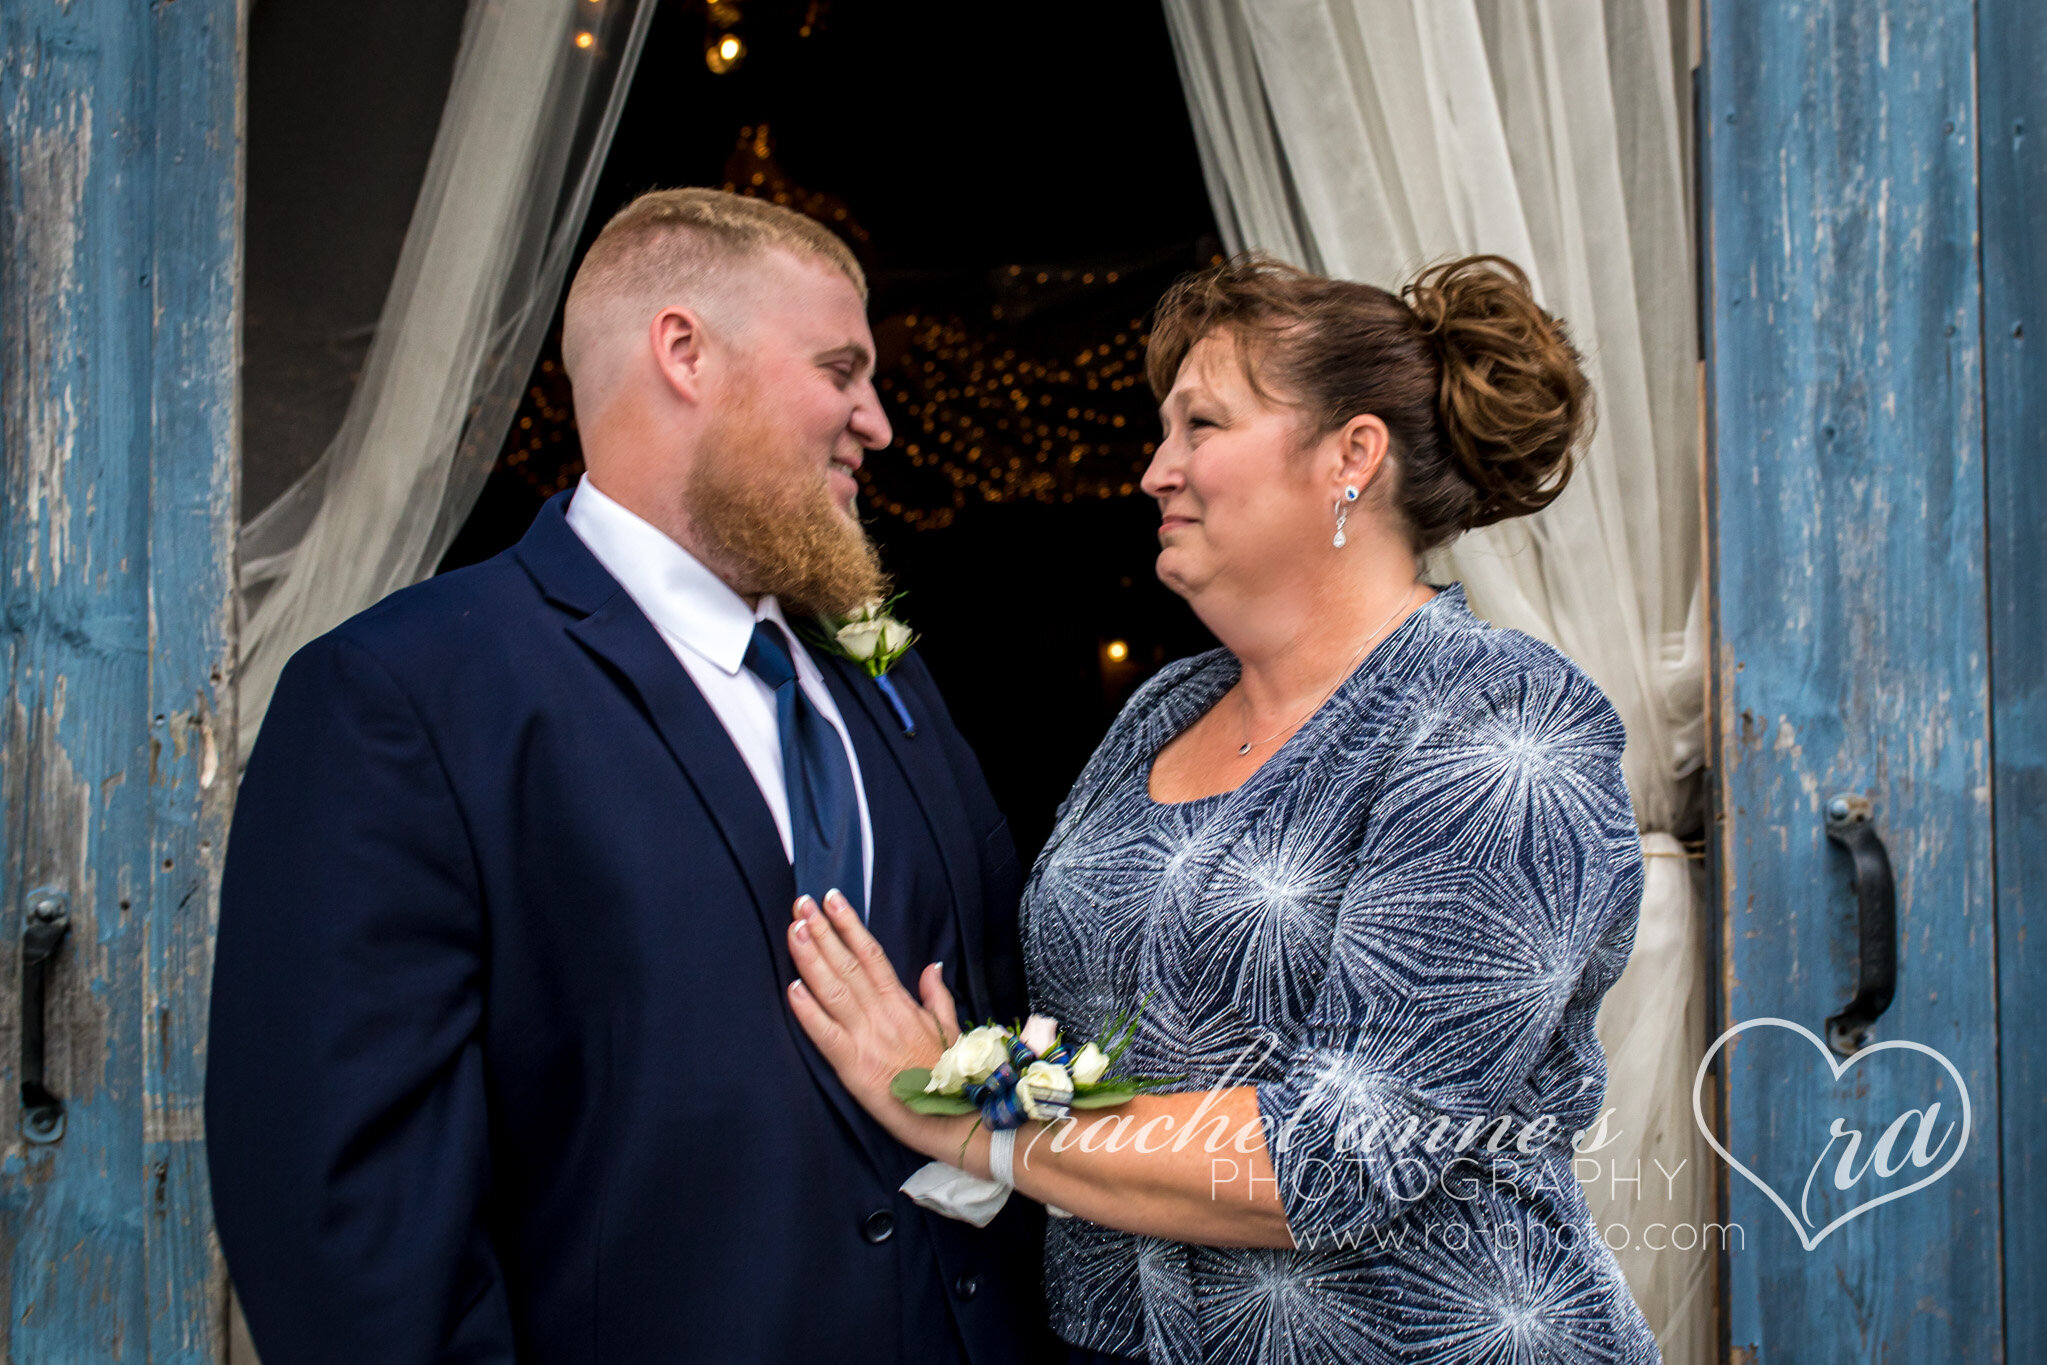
(678, 243)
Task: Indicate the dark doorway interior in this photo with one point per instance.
(343, 100)
(1022, 184)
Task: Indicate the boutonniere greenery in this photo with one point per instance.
(874, 639)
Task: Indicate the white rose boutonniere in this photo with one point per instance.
(870, 636)
(873, 639)
(860, 639)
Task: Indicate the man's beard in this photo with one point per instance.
(769, 533)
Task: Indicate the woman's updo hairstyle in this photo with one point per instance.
(1480, 388)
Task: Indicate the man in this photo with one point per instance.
(501, 1066)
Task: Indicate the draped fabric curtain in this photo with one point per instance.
(535, 95)
(1364, 138)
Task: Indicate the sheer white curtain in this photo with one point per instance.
(1363, 138)
(535, 95)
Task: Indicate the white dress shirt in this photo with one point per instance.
(709, 626)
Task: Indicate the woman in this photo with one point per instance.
(1367, 870)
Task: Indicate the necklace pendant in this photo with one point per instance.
(1244, 748)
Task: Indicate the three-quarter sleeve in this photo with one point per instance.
(1492, 902)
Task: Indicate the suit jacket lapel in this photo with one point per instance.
(617, 632)
(620, 635)
(929, 777)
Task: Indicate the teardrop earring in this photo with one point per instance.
(1350, 495)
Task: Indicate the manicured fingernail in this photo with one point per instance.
(833, 895)
(803, 930)
(805, 907)
(939, 966)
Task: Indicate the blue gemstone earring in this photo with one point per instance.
(1350, 495)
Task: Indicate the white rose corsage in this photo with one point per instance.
(875, 640)
(1009, 1075)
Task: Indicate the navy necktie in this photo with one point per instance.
(824, 810)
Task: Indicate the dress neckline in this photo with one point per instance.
(1193, 802)
(1229, 670)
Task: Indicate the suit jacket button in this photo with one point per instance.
(966, 1286)
(878, 1226)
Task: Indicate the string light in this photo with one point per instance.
(545, 418)
(585, 38)
(980, 422)
(977, 418)
(722, 54)
(752, 170)
(1118, 651)
(975, 422)
(723, 49)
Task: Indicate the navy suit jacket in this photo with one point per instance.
(500, 1064)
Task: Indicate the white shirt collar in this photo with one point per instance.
(678, 593)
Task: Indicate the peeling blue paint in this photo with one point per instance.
(120, 132)
(1849, 538)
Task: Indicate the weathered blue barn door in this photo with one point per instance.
(2012, 60)
(119, 222)
(1875, 649)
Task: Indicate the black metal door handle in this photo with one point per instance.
(48, 920)
(1876, 917)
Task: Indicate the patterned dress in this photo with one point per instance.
(1399, 929)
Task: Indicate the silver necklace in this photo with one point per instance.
(1248, 745)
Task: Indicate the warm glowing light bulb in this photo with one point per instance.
(1118, 651)
(724, 54)
(586, 38)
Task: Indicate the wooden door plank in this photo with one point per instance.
(1851, 651)
(76, 121)
(193, 462)
(120, 139)
(2014, 77)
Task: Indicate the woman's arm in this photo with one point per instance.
(1187, 1167)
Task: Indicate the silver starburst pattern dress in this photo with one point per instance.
(1399, 930)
